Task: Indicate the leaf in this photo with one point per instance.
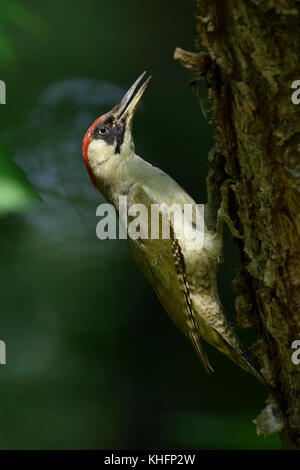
(16, 192)
(7, 53)
(21, 16)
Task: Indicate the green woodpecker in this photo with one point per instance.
(185, 280)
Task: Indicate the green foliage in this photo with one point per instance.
(16, 191)
(13, 13)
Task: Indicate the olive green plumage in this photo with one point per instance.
(185, 280)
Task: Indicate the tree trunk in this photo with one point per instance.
(249, 57)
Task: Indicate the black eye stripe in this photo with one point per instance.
(102, 131)
(114, 132)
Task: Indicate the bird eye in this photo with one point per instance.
(103, 130)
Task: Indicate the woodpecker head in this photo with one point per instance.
(110, 136)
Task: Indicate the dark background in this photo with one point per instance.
(92, 359)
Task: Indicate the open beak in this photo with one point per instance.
(126, 109)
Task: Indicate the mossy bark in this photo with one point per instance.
(251, 51)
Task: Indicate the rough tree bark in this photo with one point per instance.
(248, 54)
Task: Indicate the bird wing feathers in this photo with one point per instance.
(162, 263)
(186, 285)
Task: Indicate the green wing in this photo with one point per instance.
(162, 263)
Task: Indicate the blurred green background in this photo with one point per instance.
(93, 361)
